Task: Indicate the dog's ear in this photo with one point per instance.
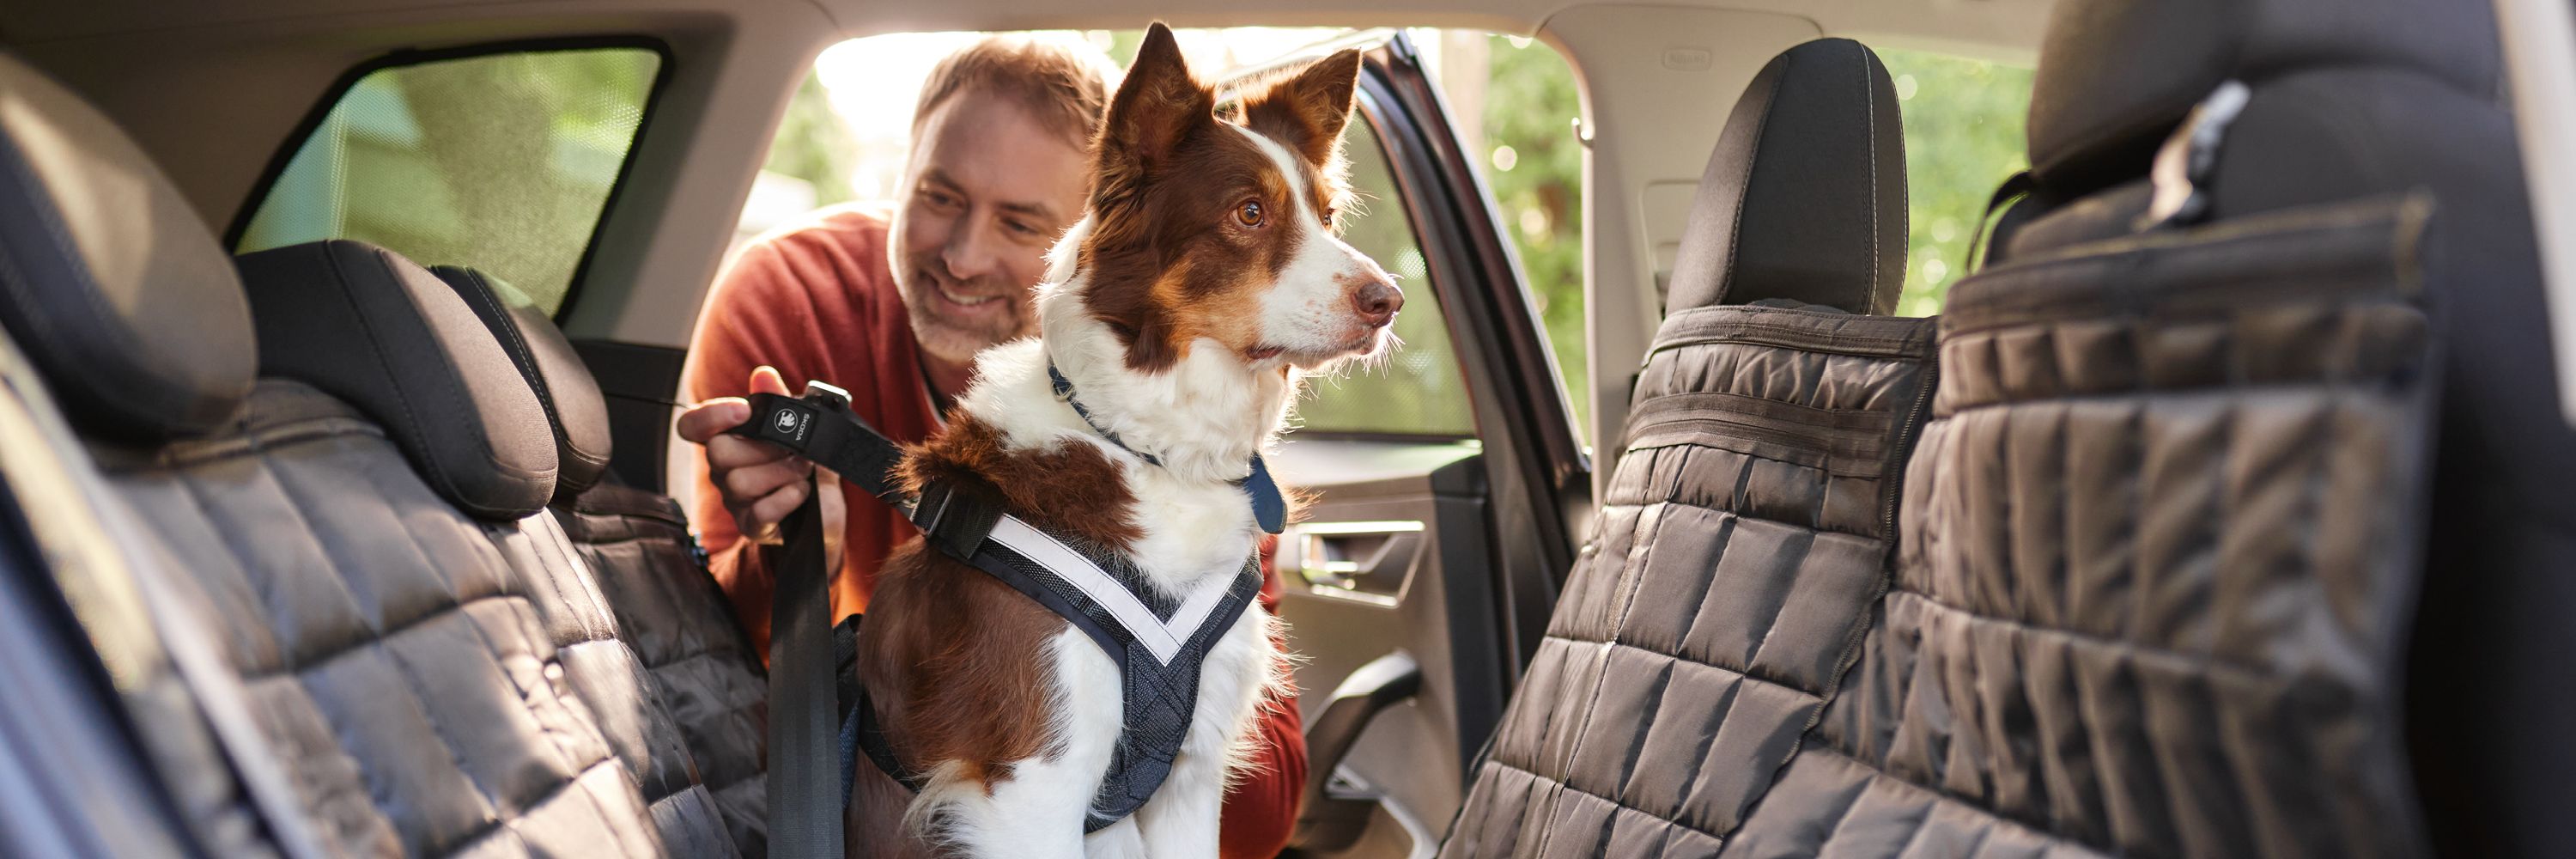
(1307, 110)
(1157, 107)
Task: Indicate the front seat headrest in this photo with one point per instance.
(2117, 76)
(383, 334)
(563, 383)
(109, 281)
(1804, 198)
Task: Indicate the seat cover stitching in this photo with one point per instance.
(1869, 127)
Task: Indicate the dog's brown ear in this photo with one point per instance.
(1157, 107)
(1307, 110)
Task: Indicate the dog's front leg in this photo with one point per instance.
(1181, 819)
(1035, 807)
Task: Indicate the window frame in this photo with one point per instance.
(284, 154)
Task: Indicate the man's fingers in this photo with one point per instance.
(774, 509)
(710, 419)
(765, 380)
(760, 481)
(729, 452)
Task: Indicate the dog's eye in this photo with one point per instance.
(1329, 215)
(1248, 214)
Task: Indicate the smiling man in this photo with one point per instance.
(893, 305)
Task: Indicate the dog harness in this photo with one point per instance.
(1157, 641)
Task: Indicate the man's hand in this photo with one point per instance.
(761, 482)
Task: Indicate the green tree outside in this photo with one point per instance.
(1963, 137)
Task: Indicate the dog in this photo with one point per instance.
(1204, 280)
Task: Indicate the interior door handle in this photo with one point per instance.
(1329, 823)
(1366, 561)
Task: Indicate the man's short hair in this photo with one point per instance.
(1065, 83)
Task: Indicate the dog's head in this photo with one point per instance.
(1218, 232)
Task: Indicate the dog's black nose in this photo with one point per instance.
(1377, 303)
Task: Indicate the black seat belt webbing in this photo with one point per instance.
(804, 786)
(804, 732)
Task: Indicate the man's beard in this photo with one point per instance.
(940, 332)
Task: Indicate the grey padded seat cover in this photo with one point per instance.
(639, 548)
(1748, 525)
(2157, 548)
(111, 281)
(2352, 101)
(435, 654)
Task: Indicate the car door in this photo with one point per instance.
(1445, 476)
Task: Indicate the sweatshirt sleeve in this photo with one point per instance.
(736, 333)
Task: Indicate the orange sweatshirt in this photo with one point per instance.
(818, 302)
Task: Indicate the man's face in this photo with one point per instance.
(987, 190)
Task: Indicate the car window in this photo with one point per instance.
(499, 161)
(1413, 390)
(1963, 137)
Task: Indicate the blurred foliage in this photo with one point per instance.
(1534, 166)
(1963, 137)
(813, 145)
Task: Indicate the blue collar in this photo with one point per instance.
(1269, 508)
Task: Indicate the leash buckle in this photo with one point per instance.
(790, 422)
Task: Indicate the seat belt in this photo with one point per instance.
(803, 781)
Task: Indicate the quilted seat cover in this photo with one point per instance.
(2157, 549)
(1724, 591)
(434, 685)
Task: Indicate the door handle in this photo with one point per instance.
(1363, 561)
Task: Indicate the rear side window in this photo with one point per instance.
(501, 161)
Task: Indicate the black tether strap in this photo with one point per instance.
(1158, 663)
(805, 791)
(804, 818)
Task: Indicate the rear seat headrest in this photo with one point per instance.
(563, 383)
(1804, 197)
(382, 333)
(2116, 76)
(109, 281)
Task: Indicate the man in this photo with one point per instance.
(893, 307)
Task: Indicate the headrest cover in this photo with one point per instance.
(110, 282)
(1804, 198)
(563, 383)
(372, 328)
(2116, 76)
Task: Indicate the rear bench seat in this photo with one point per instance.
(344, 479)
(638, 546)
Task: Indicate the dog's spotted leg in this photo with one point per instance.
(1036, 811)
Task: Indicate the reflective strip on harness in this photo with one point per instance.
(1095, 583)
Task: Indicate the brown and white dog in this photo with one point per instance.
(1205, 277)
